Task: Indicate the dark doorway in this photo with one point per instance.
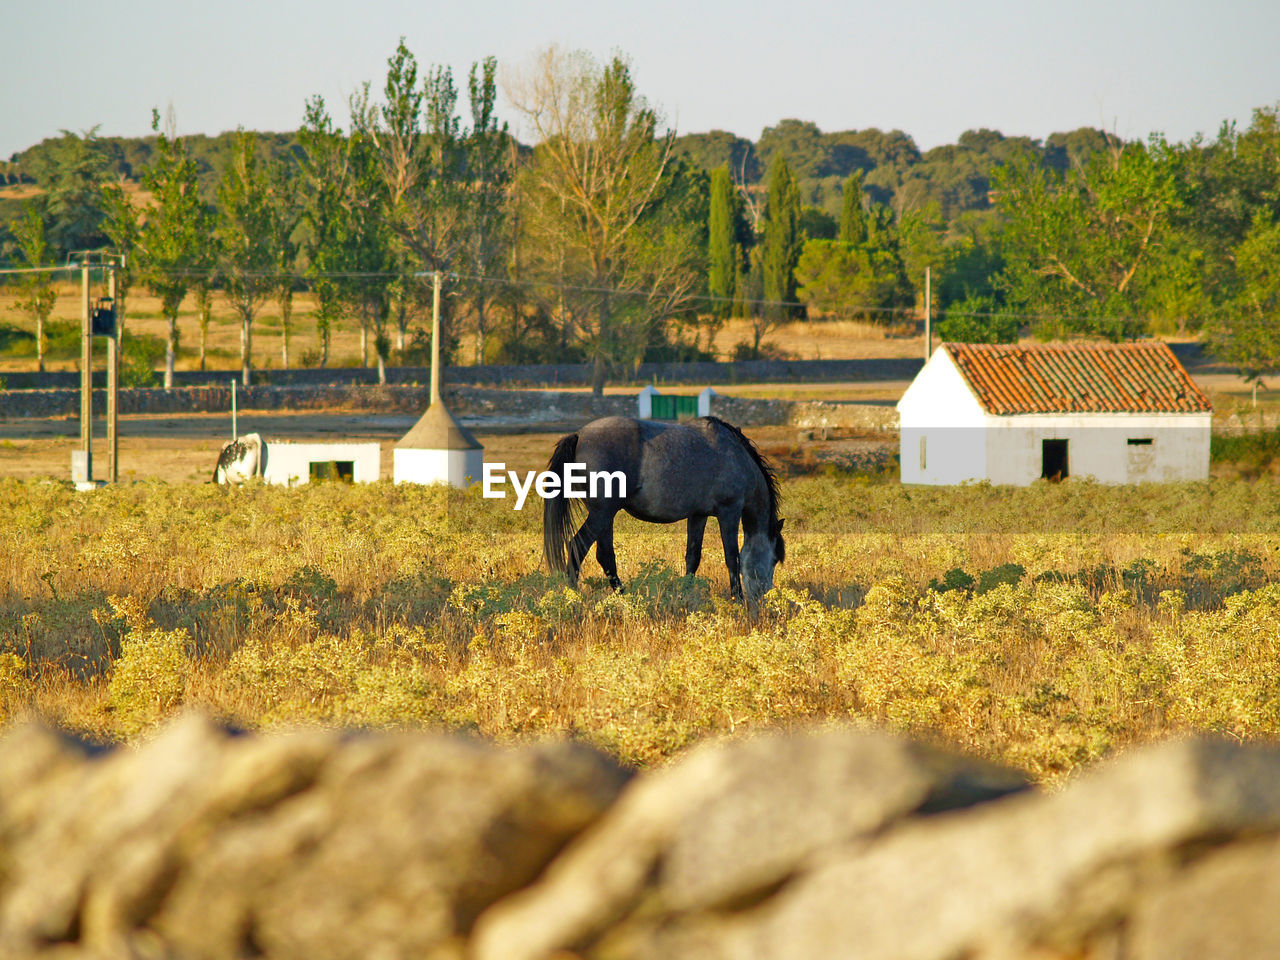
(1053, 455)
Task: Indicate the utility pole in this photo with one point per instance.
(437, 449)
(928, 326)
(86, 373)
(113, 385)
(435, 337)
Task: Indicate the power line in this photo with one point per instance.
(10, 270)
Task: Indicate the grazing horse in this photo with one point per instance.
(694, 470)
(241, 459)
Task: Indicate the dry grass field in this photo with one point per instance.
(1043, 627)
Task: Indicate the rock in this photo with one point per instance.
(727, 825)
(1030, 875)
(837, 843)
(33, 760)
(1223, 906)
(202, 843)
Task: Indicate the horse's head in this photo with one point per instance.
(761, 552)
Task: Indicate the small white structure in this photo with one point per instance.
(1119, 413)
(292, 464)
(438, 449)
(671, 407)
(644, 402)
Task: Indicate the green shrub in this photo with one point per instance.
(149, 678)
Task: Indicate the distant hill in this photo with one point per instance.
(127, 156)
(955, 176)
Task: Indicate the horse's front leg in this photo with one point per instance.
(604, 553)
(729, 537)
(693, 548)
(580, 545)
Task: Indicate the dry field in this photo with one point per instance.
(1044, 627)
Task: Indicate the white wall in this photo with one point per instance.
(947, 437)
(289, 464)
(941, 427)
(1098, 447)
(458, 468)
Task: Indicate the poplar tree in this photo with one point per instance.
(38, 292)
(853, 216)
(247, 262)
(325, 166)
(487, 245)
(286, 213)
(172, 235)
(723, 253)
(783, 240)
(122, 223)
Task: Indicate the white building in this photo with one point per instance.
(292, 464)
(1119, 413)
(438, 449)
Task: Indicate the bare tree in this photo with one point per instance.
(594, 197)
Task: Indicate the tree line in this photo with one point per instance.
(613, 241)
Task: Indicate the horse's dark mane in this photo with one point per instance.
(766, 468)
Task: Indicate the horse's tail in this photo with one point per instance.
(557, 512)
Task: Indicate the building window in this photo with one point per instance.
(922, 452)
(343, 470)
(1142, 458)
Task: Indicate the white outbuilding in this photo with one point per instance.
(438, 449)
(1119, 413)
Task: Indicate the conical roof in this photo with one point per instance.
(438, 430)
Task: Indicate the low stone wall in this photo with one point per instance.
(832, 844)
(531, 406)
(535, 375)
(509, 406)
(1192, 355)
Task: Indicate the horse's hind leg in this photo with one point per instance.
(590, 531)
(693, 548)
(604, 553)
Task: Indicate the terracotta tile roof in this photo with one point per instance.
(1078, 378)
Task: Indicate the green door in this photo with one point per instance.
(671, 407)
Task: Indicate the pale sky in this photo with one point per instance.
(932, 69)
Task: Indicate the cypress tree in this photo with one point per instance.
(853, 217)
(722, 244)
(782, 237)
